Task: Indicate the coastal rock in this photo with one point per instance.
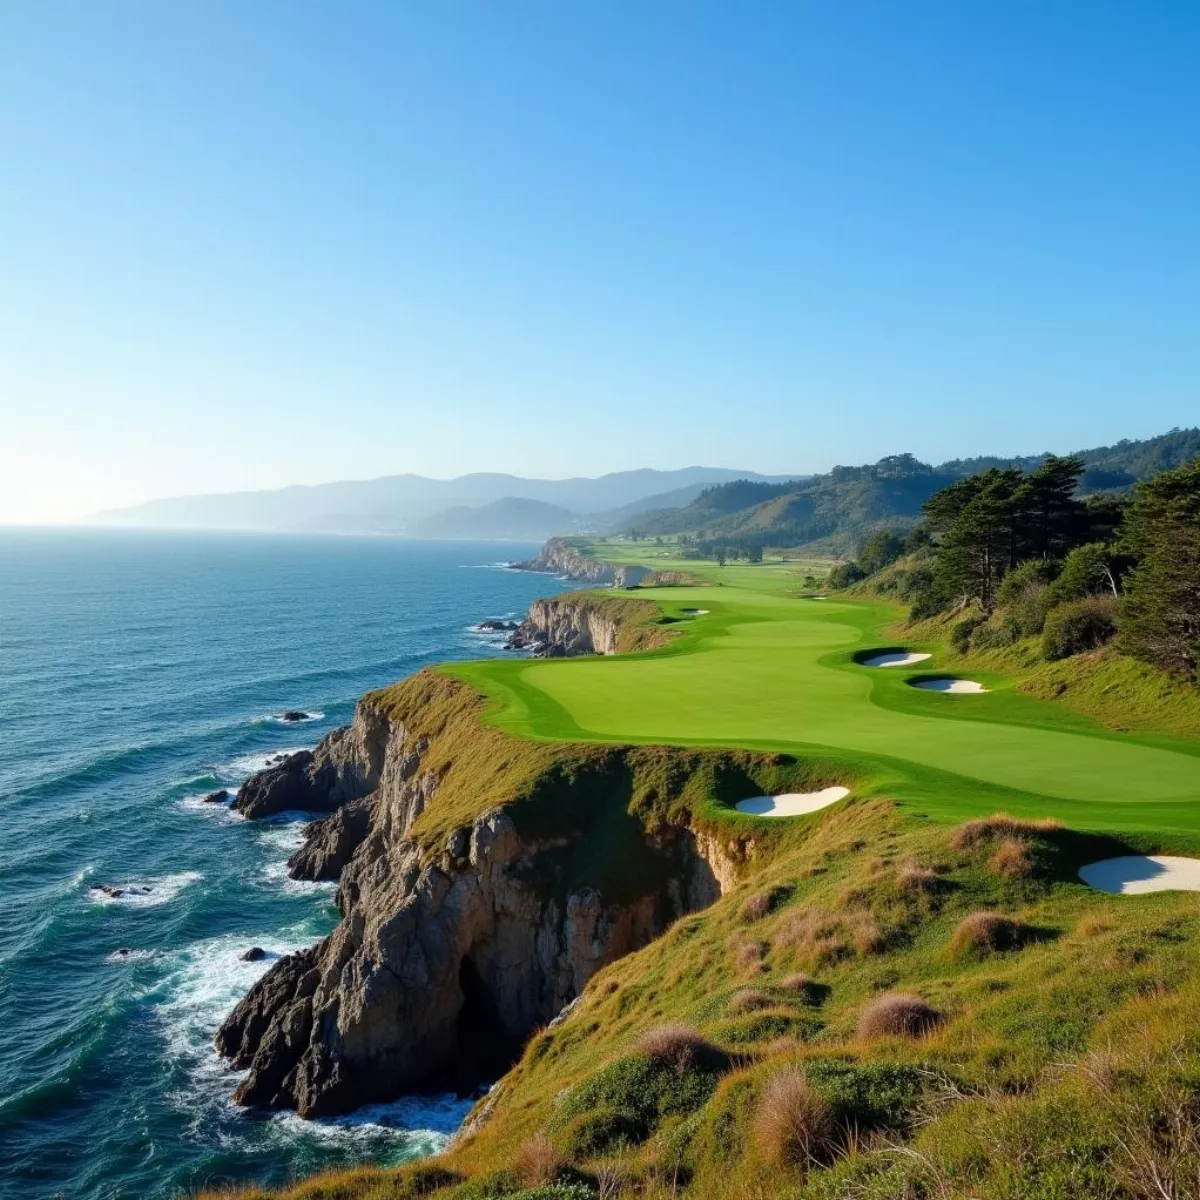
(437, 972)
(217, 797)
(345, 766)
(559, 556)
(565, 627)
(497, 626)
(254, 954)
(293, 715)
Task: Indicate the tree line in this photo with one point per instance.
(1019, 553)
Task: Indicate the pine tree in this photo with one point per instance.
(1160, 613)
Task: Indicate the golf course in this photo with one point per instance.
(759, 662)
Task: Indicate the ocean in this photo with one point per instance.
(138, 672)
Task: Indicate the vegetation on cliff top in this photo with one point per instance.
(904, 996)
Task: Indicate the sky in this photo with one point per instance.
(247, 245)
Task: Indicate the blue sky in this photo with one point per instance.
(244, 245)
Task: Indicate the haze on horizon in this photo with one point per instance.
(252, 246)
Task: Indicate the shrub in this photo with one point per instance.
(1012, 859)
(755, 907)
(1080, 625)
(793, 1125)
(646, 1087)
(915, 582)
(1027, 613)
(960, 633)
(746, 954)
(898, 1014)
(604, 1130)
(914, 878)
(999, 825)
(844, 574)
(748, 1000)
(538, 1161)
(808, 989)
(1086, 571)
(677, 1046)
(987, 933)
(1033, 572)
(880, 549)
(869, 1096)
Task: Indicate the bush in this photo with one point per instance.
(677, 1046)
(1078, 626)
(1086, 571)
(605, 1130)
(1034, 572)
(1028, 610)
(844, 574)
(913, 878)
(879, 550)
(868, 1096)
(793, 1125)
(989, 933)
(914, 582)
(999, 825)
(960, 633)
(898, 1014)
(1012, 859)
(748, 1000)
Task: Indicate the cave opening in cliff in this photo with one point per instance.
(486, 1048)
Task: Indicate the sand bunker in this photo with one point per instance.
(792, 804)
(1136, 873)
(895, 658)
(958, 687)
(695, 612)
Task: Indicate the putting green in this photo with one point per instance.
(767, 668)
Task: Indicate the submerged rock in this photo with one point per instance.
(254, 954)
(293, 715)
(217, 797)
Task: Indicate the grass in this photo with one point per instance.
(766, 668)
(908, 994)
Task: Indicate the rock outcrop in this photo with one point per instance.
(453, 950)
(562, 628)
(559, 556)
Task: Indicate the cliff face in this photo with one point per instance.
(559, 556)
(458, 938)
(583, 623)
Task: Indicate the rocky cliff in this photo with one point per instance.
(483, 881)
(584, 623)
(561, 556)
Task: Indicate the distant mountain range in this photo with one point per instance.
(834, 511)
(471, 506)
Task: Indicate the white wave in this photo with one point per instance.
(245, 765)
(309, 715)
(145, 893)
(124, 957)
(426, 1122)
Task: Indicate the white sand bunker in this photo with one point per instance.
(792, 804)
(695, 612)
(895, 658)
(958, 687)
(1137, 873)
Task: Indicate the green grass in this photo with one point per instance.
(769, 669)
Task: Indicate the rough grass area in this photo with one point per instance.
(1051, 1066)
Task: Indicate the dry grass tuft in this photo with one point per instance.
(822, 938)
(1012, 859)
(677, 1045)
(916, 879)
(794, 1126)
(987, 933)
(746, 954)
(898, 1014)
(748, 1001)
(1000, 825)
(804, 986)
(538, 1162)
(755, 907)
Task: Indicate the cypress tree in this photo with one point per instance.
(1160, 613)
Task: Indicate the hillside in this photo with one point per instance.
(897, 994)
(833, 512)
(396, 503)
(530, 520)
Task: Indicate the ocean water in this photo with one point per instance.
(139, 671)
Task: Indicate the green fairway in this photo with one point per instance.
(768, 668)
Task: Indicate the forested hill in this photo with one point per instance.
(838, 508)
